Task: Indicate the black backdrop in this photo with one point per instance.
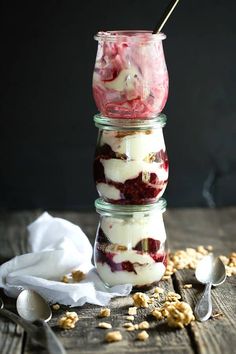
(47, 136)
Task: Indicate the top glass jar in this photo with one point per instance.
(130, 77)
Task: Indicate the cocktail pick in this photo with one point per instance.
(165, 16)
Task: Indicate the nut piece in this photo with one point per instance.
(172, 297)
(127, 324)
(104, 325)
(187, 286)
(157, 314)
(68, 321)
(140, 299)
(105, 312)
(129, 318)
(113, 337)
(158, 290)
(179, 314)
(132, 311)
(143, 325)
(65, 279)
(77, 275)
(55, 307)
(142, 336)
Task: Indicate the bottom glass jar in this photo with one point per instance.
(130, 243)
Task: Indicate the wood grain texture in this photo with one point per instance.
(185, 228)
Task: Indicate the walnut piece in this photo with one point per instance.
(68, 321)
(140, 299)
(157, 314)
(143, 325)
(105, 312)
(172, 297)
(77, 275)
(113, 337)
(104, 325)
(187, 286)
(127, 324)
(179, 314)
(142, 336)
(132, 311)
(55, 307)
(129, 318)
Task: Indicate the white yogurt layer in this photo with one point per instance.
(128, 232)
(125, 81)
(120, 170)
(145, 274)
(136, 146)
(109, 192)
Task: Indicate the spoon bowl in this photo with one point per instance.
(211, 270)
(31, 306)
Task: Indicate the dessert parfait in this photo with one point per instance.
(130, 76)
(131, 164)
(130, 243)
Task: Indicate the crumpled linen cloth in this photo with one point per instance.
(57, 247)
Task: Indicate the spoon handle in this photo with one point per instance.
(52, 343)
(203, 309)
(28, 327)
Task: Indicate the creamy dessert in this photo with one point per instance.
(130, 76)
(131, 165)
(130, 245)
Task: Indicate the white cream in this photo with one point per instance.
(109, 192)
(128, 232)
(126, 80)
(145, 275)
(136, 146)
(120, 170)
(133, 257)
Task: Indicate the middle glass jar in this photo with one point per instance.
(131, 163)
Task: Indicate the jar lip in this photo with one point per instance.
(129, 35)
(103, 207)
(158, 121)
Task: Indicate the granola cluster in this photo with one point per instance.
(105, 312)
(140, 299)
(114, 336)
(230, 264)
(68, 321)
(185, 259)
(74, 277)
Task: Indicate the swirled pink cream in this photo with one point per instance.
(130, 77)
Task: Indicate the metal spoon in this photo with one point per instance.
(210, 271)
(32, 307)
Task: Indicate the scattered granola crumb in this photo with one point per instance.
(68, 321)
(55, 307)
(77, 275)
(129, 318)
(140, 299)
(158, 290)
(131, 328)
(143, 325)
(113, 337)
(104, 325)
(217, 314)
(127, 324)
(65, 279)
(132, 311)
(142, 336)
(209, 248)
(172, 297)
(187, 286)
(166, 277)
(230, 264)
(105, 312)
(157, 314)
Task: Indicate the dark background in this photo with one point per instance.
(47, 135)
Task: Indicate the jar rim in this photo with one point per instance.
(103, 207)
(158, 121)
(129, 35)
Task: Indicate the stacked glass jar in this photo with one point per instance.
(130, 86)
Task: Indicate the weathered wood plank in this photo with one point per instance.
(11, 338)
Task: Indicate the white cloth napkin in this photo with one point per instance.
(58, 247)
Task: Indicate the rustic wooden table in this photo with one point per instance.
(185, 228)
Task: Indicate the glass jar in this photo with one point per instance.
(130, 243)
(130, 76)
(131, 163)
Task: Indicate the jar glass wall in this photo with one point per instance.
(131, 163)
(130, 243)
(130, 76)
